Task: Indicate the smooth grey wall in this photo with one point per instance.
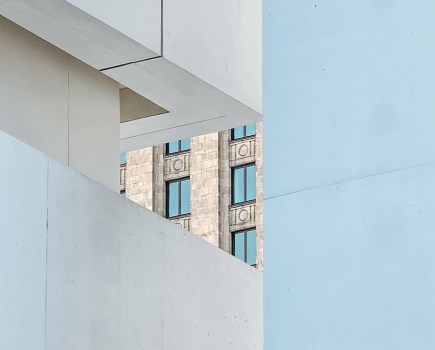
(59, 105)
(23, 235)
(349, 108)
(84, 268)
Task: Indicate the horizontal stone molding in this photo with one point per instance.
(242, 151)
(183, 222)
(177, 166)
(242, 216)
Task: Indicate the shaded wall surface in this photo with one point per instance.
(349, 105)
(82, 267)
(59, 105)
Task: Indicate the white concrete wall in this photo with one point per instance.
(349, 200)
(85, 35)
(94, 114)
(59, 105)
(23, 234)
(219, 42)
(138, 19)
(91, 269)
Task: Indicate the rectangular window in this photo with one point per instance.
(243, 131)
(177, 197)
(122, 173)
(243, 184)
(123, 158)
(244, 246)
(178, 146)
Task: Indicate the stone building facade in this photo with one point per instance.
(208, 165)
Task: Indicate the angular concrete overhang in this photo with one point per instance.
(196, 63)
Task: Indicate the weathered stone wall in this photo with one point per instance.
(208, 165)
(248, 215)
(260, 196)
(224, 191)
(139, 177)
(204, 187)
(159, 191)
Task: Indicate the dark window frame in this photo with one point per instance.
(179, 197)
(245, 244)
(179, 148)
(244, 133)
(245, 183)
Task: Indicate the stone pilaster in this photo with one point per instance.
(139, 177)
(204, 187)
(260, 196)
(158, 180)
(224, 191)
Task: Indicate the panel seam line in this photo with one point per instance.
(132, 62)
(170, 128)
(46, 260)
(68, 113)
(161, 27)
(349, 180)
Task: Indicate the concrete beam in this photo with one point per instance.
(207, 82)
(195, 107)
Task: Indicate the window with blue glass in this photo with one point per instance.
(123, 158)
(244, 246)
(243, 183)
(177, 197)
(178, 146)
(243, 131)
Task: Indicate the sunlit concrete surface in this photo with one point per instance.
(83, 267)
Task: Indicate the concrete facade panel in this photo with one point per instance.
(93, 124)
(140, 20)
(350, 266)
(33, 90)
(83, 35)
(349, 204)
(352, 96)
(120, 276)
(105, 274)
(209, 315)
(23, 234)
(220, 43)
(59, 105)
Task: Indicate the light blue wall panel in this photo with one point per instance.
(348, 94)
(23, 233)
(349, 89)
(352, 266)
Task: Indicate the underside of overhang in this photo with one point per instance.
(134, 106)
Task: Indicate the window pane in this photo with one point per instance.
(239, 246)
(185, 145)
(123, 158)
(185, 197)
(250, 129)
(250, 182)
(238, 185)
(251, 248)
(238, 133)
(173, 199)
(173, 147)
